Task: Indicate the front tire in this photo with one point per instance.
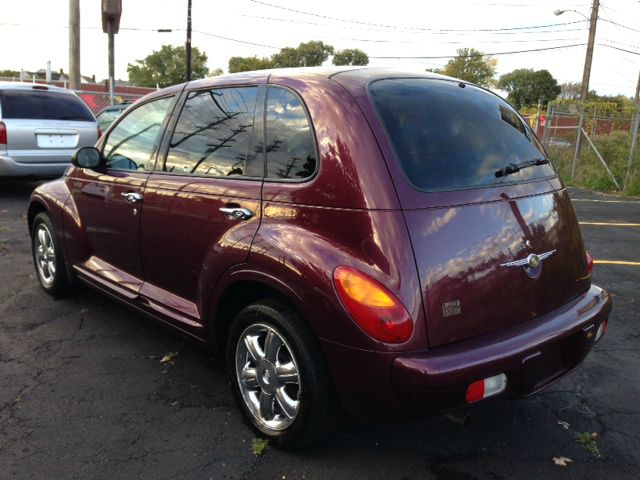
(278, 376)
(47, 257)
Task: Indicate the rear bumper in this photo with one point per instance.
(533, 355)
(48, 166)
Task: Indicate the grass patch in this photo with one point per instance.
(590, 442)
(590, 173)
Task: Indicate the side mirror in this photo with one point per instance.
(87, 157)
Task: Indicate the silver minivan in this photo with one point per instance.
(40, 128)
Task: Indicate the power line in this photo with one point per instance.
(618, 48)
(461, 32)
(618, 24)
(358, 22)
(481, 55)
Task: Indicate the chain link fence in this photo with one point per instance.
(607, 157)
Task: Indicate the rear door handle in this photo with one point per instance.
(132, 197)
(237, 213)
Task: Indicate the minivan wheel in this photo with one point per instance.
(278, 375)
(47, 256)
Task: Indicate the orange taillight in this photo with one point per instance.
(373, 307)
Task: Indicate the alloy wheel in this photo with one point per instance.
(45, 255)
(268, 376)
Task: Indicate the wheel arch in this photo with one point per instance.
(241, 289)
(36, 206)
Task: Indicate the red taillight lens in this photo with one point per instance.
(3, 134)
(487, 387)
(589, 262)
(602, 328)
(374, 308)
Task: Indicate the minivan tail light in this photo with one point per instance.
(3, 134)
(589, 262)
(373, 307)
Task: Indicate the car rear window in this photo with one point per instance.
(43, 105)
(449, 135)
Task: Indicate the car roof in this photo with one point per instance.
(351, 77)
(40, 87)
(117, 106)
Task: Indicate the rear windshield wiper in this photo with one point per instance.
(516, 167)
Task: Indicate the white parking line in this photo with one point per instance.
(616, 262)
(604, 201)
(611, 224)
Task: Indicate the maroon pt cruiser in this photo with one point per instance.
(387, 242)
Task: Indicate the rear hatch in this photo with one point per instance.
(495, 245)
(45, 126)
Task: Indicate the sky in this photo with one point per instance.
(33, 32)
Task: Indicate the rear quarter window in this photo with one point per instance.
(43, 105)
(448, 137)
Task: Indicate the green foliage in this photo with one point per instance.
(527, 86)
(9, 73)
(589, 442)
(258, 445)
(350, 56)
(472, 66)
(590, 173)
(167, 66)
(247, 64)
(310, 54)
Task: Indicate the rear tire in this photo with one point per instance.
(278, 376)
(47, 257)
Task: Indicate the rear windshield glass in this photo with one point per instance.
(43, 105)
(447, 137)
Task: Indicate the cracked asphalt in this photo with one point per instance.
(83, 393)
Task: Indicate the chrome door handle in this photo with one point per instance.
(131, 197)
(237, 213)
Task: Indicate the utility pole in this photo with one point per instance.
(634, 136)
(188, 48)
(111, 12)
(74, 44)
(586, 74)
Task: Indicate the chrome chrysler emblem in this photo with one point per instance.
(532, 263)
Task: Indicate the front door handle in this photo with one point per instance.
(131, 197)
(237, 213)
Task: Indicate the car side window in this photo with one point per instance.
(134, 141)
(214, 134)
(290, 144)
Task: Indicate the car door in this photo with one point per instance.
(108, 200)
(202, 202)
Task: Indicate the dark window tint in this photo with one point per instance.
(290, 146)
(43, 105)
(213, 134)
(134, 140)
(447, 137)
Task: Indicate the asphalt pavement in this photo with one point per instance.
(84, 394)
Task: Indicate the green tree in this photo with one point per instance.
(350, 56)
(310, 54)
(9, 73)
(246, 64)
(216, 72)
(167, 66)
(527, 86)
(472, 66)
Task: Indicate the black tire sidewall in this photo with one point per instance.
(316, 405)
(59, 286)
